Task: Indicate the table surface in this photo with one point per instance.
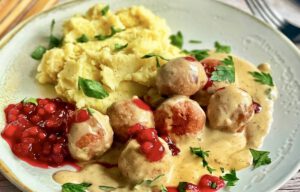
(293, 185)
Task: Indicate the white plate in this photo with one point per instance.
(205, 20)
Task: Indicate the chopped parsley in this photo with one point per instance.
(199, 54)
(195, 41)
(157, 57)
(231, 178)
(182, 186)
(260, 158)
(82, 39)
(91, 111)
(107, 188)
(263, 78)
(113, 31)
(222, 169)
(53, 40)
(163, 188)
(149, 181)
(104, 10)
(72, 187)
(119, 47)
(202, 154)
(30, 100)
(213, 185)
(222, 48)
(92, 88)
(177, 39)
(38, 53)
(225, 71)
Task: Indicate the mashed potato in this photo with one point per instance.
(122, 73)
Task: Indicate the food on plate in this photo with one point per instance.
(90, 135)
(179, 115)
(139, 112)
(181, 76)
(229, 109)
(127, 113)
(122, 72)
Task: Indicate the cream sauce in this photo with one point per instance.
(227, 150)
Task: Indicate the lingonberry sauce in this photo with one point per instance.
(257, 107)
(210, 65)
(139, 103)
(151, 147)
(37, 134)
(172, 145)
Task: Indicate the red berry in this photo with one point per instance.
(41, 112)
(147, 135)
(10, 130)
(146, 147)
(50, 108)
(32, 131)
(11, 118)
(57, 148)
(139, 103)
(135, 129)
(190, 58)
(29, 108)
(207, 181)
(9, 107)
(81, 116)
(35, 119)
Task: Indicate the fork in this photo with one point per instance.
(261, 9)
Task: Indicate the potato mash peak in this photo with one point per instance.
(123, 73)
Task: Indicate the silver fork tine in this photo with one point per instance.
(259, 12)
(275, 17)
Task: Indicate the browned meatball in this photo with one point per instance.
(179, 115)
(134, 165)
(89, 139)
(181, 76)
(229, 109)
(125, 114)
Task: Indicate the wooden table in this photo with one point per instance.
(293, 185)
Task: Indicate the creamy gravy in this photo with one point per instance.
(227, 150)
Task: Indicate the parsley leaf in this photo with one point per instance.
(222, 48)
(177, 39)
(119, 47)
(225, 71)
(91, 111)
(38, 53)
(149, 181)
(30, 100)
(107, 188)
(113, 31)
(104, 10)
(202, 154)
(163, 188)
(82, 39)
(263, 78)
(157, 57)
(198, 53)
(182, 186)
(71, 187)
(222, 169)
(213, 185)
(53, 40)
(231, 178)
(260, 158)
(195, 41)
(92, 88)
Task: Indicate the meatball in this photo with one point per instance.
(127, 113)
(134, 165)
(90, 137)
(229, 109)
(179, 115)
(181, 76)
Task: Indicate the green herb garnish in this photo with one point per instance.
(263, 78)
(82, 39)
(225, 71)
(92, 88)
(149, 181)
(213, 185)
(231, 178)
(198, 53)
(222, 169)
(112, 33)
(71, 187)
(53, 40)
(90, 111)
(177, 39)
(260, 158)
(119, 47)
(222, 48)
(38, 53)
(182, 186)
(107, 188)
(104, 10)
(163, 188)
(30, 100)
(202, 154)
(195, 41)
(157, 57)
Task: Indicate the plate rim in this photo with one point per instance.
(8, 173)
